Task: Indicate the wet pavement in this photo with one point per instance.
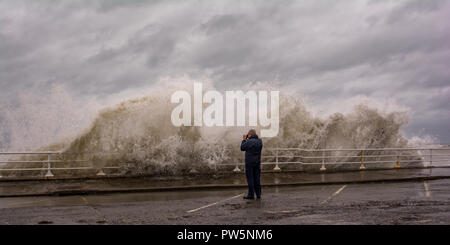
(148, 184)
(412, 202)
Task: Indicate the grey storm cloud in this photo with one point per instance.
(326, 50)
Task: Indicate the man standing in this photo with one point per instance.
(252, 146)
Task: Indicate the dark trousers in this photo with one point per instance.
(253, 174)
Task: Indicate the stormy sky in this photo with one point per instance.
(329, 52)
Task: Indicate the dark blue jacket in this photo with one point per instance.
(252, 147)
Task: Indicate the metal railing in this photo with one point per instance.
(325, 157)
(279, 158)
(48, 162)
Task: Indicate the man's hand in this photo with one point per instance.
(244, 137)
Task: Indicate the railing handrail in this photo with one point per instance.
(266, 148)
(53, 153)
(32, 153)
(358, 149)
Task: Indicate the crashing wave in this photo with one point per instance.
(138, 135)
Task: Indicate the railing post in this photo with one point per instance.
(397, 164)
(322, 168)
(276, 168)
(49, 173)
(101, 173)
(431, 158)
(236, 169)
(362, 167)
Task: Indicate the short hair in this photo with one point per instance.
(252, 132)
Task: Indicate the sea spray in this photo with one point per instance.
(37, 121)
(137, 135)
(144, 141)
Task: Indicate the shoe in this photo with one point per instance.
(250, 198)
(259, 197)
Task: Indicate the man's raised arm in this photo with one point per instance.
(244, 143)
